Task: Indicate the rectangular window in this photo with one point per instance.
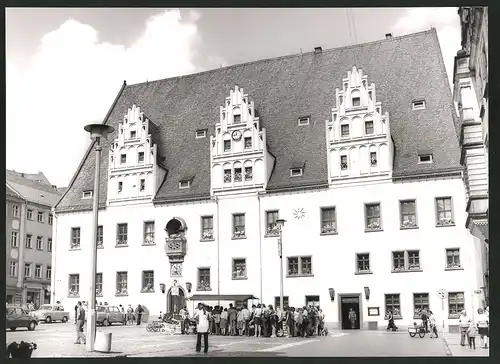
(203, 279)
(149, 232)
(303, 121)
(148, 281)
(123, 158)
(420, 303)
(373, 219)
(408, 214)
(425, 158)
(406, 261)
(227, 145)
(140, 157)
(344, 130)
(98, 284)
(201, 134)
(456, 304)
(15, 211)
(343, 162)
(121, 234)
(238, 225)
(237, 175)
(299, 266)
(312, 301)
(248, 173)
(75, 238)
(363, 262)
(369, 127)
(444, 211)
(227, 176)
(413, 259)
(51, 219)
(419, 105)
(87, 194)
(248, 142)
(237, 119)
(27, 270)
(272, 227)
(29, 243)
(39, 243)
(398, 260)
(29, 215)
(207, 228)
(142, 186)
(239, 268)
(392, 304)
(295, 172)
(48, 273)
(100, 236)
(453, 258)
(14, 239)
(74, 284)
(184, 184)
(277, 302)
(373, 159)
(120, 187)
(121, 283)
(13, 268)
(49, 244)
(356, 102)
(133, 134)
(38, 271)
(328, 220)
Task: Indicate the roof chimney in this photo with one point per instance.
(318, 49)
(388, 36)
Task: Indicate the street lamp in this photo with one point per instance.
(280, 223)
(97, 131)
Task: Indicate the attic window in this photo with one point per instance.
(304, 121)
(356, 102)
(419, 105)
(133, 134)
(123, 158)
(237, 119)
(184, 184)
(425, 158)
(87, 194)
(201, 134)
(295, 172)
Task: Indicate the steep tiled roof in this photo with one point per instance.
(284, 89)
(32, 191)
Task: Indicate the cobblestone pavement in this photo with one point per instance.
(57, 340)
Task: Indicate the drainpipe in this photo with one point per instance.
(260, 247)
(53, 259)
(22, 242)
(218, 250)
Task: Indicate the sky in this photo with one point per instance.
(65, 66)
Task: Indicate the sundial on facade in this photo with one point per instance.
(299, 213)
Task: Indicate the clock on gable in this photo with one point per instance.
(236, 135)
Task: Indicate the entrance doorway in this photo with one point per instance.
(175, 302)
(33, 297)
(350, 312)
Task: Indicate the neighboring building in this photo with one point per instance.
(471, 98)
(29, 220)
(364, 164)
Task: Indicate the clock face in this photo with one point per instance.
(236, 135)
(299, 213)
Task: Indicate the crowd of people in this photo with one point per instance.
(472, 328)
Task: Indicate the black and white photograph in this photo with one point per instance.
(247, 182)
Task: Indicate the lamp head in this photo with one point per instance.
(99, 130)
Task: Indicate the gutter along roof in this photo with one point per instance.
(284, 89)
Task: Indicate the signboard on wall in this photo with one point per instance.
(373, 311)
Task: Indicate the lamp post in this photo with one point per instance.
(281, 223)
(97, 131)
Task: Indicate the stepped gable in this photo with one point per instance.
(403, 69)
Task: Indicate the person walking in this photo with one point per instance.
(464, 323)
(80, 336)
(139, 310)
(433, 325)
(202, 320)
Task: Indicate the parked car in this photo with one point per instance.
(18, 317)
(107, 315)
(49, 313)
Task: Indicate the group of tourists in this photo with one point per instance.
(472, 328)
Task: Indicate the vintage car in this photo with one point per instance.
(49, 313)
(107, 315)
(16, 316)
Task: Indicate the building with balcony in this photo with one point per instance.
(29, 222)
(471, 99)
(354, 147)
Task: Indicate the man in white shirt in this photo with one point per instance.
(483, 323)
(463, 323)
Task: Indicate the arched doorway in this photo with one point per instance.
(175, 303)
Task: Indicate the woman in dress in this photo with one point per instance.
(202, 318)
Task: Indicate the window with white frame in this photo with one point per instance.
(418, 105)
(453, 258)
(49, 244)
(98, 284)
(87, 194)
(228, 176)
(121, 283)
(420, 303)
(149, 232)
(425, 158)
(38, 271)
(363, 262)
(239, 268)
(344, 130)
(296, 172)
(299, 266)
(238, 225)
(48, 273)
(303, 121)
(142, 185)
(237, 174)
(456, 304)
(207, 228)
(74, 285)
(201, 134)
(51, 219)
(140, 157)
(121, 234)
(408, 214)
(227, 145)
(120, 187)
(369, 127)
(393, 304)
(277, 302)
(373, 217)
(373, 159)
(15, 211)
(14, 239)
(248, 173)
(75, 238)
(39, 243)
(29, 242)
(356, 102)
(29, 215)
(123, 158)
(343, 163)
(272, 228)
(248, 142)
(444, 211)
(236, 119)
(27, 270)
(133, 134)
(13, 268)
(203, 279)
(148, 281)
(184, 184)
(328, 220)
(404, 261)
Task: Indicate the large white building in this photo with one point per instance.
(355, 147)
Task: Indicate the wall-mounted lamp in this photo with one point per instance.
(331, 291)
(162, 287)
(188, 286)
(367, 293)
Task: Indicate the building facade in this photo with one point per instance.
(29, 222)
(471, 97)
(363, 163)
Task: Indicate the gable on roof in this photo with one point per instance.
(285, 89)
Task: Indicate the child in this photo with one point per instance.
(472, 332)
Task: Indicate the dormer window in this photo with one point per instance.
(369, 127)
(201, 134)
(227, 145)
(120, 187)
(142, 186)
(419, 105)
(184, 184)
(133, 134)
(140, 157)
(303, 121)
(296, 172)
(344, 131)
(248, 142)
(373, 159)
(425, 158)
(88, 194)
(356, 102)
(123, 158)
(237, 119)
(343, 162)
